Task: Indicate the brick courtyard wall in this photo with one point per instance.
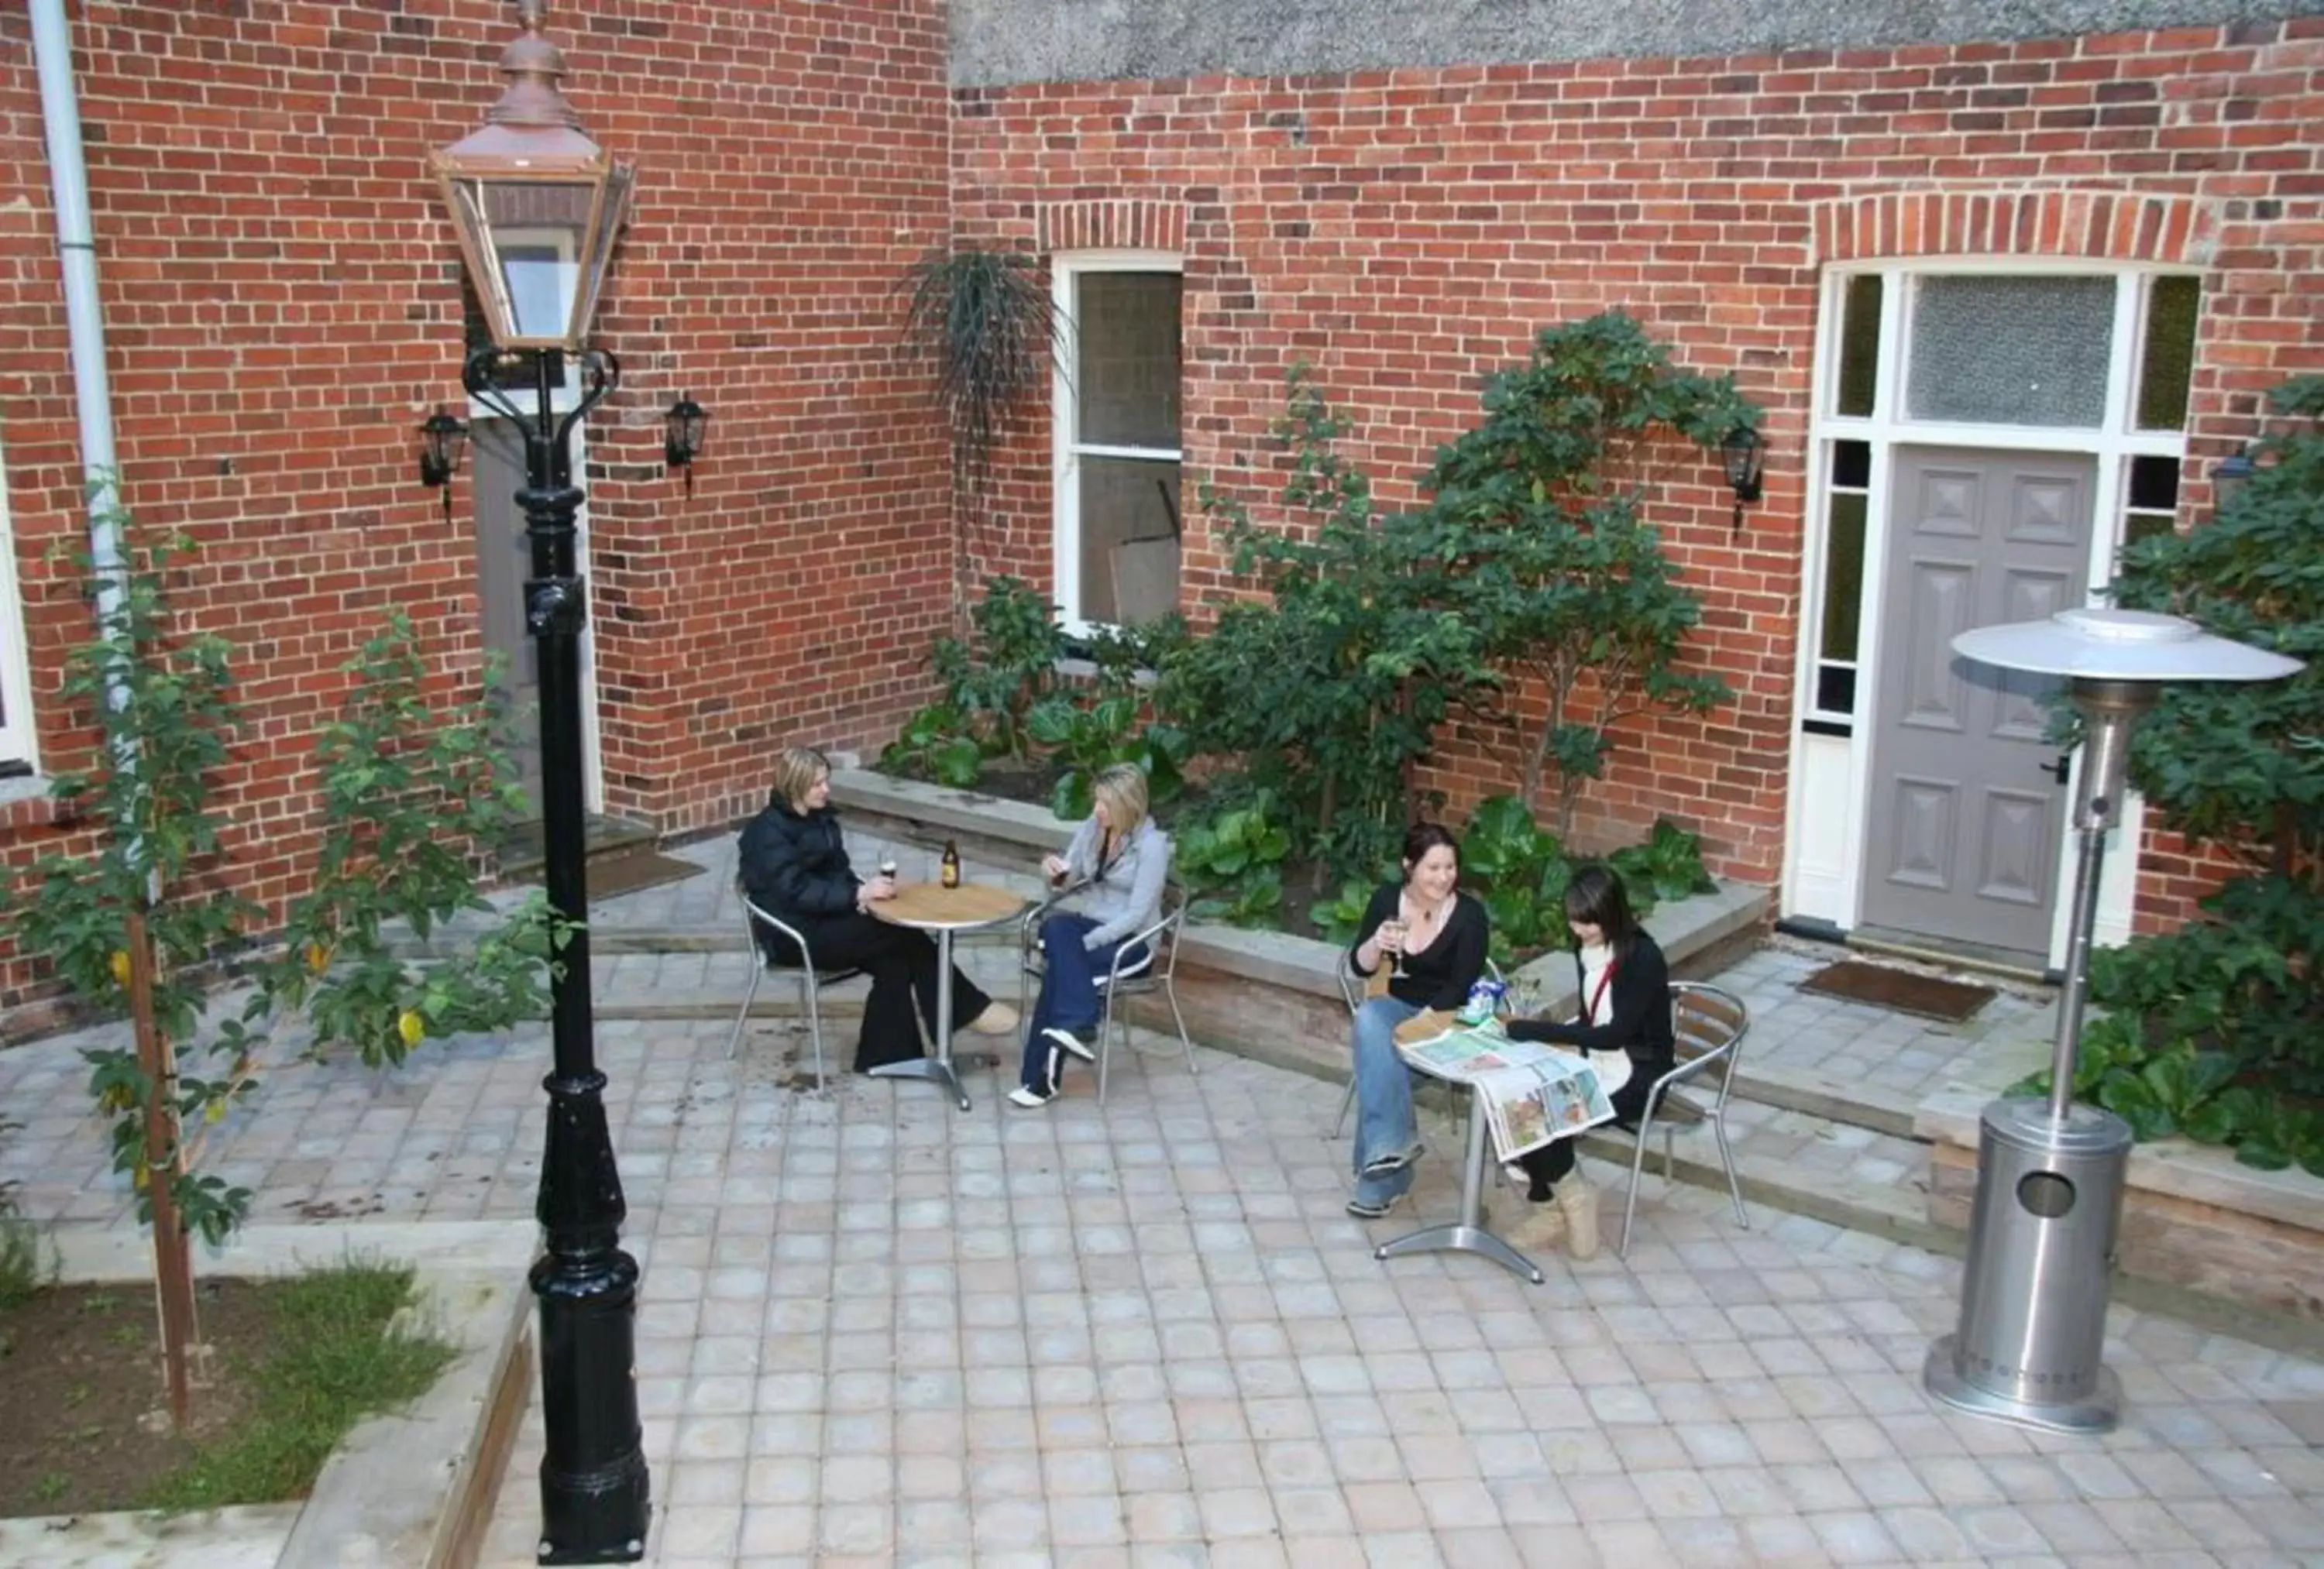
(283, 307)
(1407, 230)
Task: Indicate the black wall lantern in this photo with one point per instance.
(2228, 477)
(442, 440)
(684, 421)
(1743, 450)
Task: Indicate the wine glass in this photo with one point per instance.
(888, 864)
(1392, 931)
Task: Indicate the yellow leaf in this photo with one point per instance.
(410, 1026)
(319, 957)
(215, 1112)
(121, 968)
(143, 1174)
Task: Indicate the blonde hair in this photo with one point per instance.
(1122, 787)
(796, 768)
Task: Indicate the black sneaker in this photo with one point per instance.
(1081, 1043)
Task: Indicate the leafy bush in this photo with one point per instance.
(1010, 663)
(1328, 691)
(1534, 538)
(1233, 863)
(1091, 739)
(2216, 1030)
(938, 744)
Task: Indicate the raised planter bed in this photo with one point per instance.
(2192, 1216)
(414, 1487)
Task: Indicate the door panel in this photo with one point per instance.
(1964, 824)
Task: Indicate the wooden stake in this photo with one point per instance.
(173, 1261)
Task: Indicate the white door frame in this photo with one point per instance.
(562, 398)
(2113, 444)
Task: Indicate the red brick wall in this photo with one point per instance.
(282, 307)
(1407, 231)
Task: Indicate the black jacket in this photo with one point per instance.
(1440, 975)
(795, 866)
(1641, 1021)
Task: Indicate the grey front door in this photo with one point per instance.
(1965, 815)
(504, 563)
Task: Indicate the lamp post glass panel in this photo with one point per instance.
(2049, 1174)
(537, 205)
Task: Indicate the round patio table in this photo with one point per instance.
(1466, 1233)
(933, 907)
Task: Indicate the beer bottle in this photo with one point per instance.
(949, 873)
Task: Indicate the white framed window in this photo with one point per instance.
(1116, 463)
(18, 748)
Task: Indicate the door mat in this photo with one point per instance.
(1898, 989)
(610, 876)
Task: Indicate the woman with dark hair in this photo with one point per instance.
(1436, 937)
(1625, 1029)
(794, 866)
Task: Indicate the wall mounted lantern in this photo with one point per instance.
(686, 421)
(1743, 449)
(2228, 477)
(442, 440)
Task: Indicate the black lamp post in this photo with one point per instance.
(1743, 451)
(538, 206)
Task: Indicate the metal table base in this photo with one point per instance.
(1467, 1234)
(936, 1067)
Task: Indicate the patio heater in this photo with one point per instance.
(538, 206)
(2031, 1331)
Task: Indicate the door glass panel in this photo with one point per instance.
(2167, 357)
(1127, 371)
(1859, 346)
(2010, 351)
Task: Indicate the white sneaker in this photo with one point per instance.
(1028, 1099)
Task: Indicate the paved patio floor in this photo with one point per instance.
(875, 1330)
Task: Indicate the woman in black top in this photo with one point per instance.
(794, 866)
(1625, 1028)
(1442, 934)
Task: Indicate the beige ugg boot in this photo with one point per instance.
(1578, 1202)
(1535, 1228)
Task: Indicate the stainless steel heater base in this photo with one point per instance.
(2096, 1412)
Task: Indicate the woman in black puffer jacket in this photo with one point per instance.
(794, 866)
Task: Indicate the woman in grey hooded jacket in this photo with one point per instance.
(1119, 860)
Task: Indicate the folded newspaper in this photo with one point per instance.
(1530, 1093)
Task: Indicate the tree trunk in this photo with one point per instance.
(173, 1262)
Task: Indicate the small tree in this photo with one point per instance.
(2216, 1030)
(1534, 532)
(141, 920)
(1334, 686)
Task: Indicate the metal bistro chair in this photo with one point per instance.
(1355, 998)
(1156, 970)
(1709, 1023)
(811, 980)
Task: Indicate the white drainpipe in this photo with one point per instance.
(83, 315)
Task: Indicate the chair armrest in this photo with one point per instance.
(1113, 970)
(1031, 924)
(776, 924)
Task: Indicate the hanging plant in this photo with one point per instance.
(985, 321)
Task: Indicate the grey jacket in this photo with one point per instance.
(1125, 898)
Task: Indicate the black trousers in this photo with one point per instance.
(903, 965)
(1548, 1165)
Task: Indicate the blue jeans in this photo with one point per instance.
(1385, 1124)
(1068, 1001)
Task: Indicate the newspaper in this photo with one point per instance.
(1529, 1093)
